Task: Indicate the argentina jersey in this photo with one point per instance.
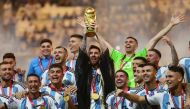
(12, 89)
(161, 73)
(6, 99)
(97, 87)
(142, 92)
(18, 77)
(68, 78)
(115, 102)
(58, 96)
(71, 64)
(43, 102)
(166, 101)
(185, 62)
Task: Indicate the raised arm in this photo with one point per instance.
(131, 97)
(174, 21)
(175, 58)
(103, 43)
(187, 92)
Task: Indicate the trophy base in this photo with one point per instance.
(90, 34)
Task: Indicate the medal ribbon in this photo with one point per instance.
(10, 90)
(94, 83)
(40, 63)
(123, 63)
(182, 100)
(120, 100)
(32, 103)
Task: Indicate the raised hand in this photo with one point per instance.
(119, 92)
(176, 19)
(167, 40)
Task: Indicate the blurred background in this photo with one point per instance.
(23, 23)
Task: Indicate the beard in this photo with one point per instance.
(5, 79)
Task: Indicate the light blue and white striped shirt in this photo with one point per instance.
(58, 96)
(16, 87)
(46, 101)
(185, 62)
(114, 102)
(165, 100)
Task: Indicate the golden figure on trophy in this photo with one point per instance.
(90, 20)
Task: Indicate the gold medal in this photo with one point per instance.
(66, 98)
(95, 96)
(42, 107)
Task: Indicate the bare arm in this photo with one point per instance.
(131, 97)
(174, 21)
(187, 92)
(175, 58)
(103, 43)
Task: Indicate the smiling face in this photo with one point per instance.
(45, 49)
(149, 74)
(173, 79)
(6, 72)
(33, 84)
(94, 55)
(130, 45)
(60, 55)
(55, 75)
(121, 80)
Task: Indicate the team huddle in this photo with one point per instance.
(99, 77)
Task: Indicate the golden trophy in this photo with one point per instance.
(90, 19)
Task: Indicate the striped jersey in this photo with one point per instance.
(114, 102)
(12, 89)
(97, 87)
(19, 77)
(71, 64)
(185, 62)
(142, 92)
(161, 73)
(6, 99)
(166, 101)
(58, 96)
(68, 77)
(43, 102)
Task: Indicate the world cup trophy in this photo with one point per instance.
(90, 19)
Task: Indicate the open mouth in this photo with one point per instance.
(146, 77)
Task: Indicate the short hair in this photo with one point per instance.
(56, 66)
(94, 47)
(176, 69)
(141, 58)
(62, 48)
(151, 64)
(33, 74)
(123, 72)
(130, 37)
(45, 40)
(9, 55)
(77, 36)
(4, 63)
(156, 51)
